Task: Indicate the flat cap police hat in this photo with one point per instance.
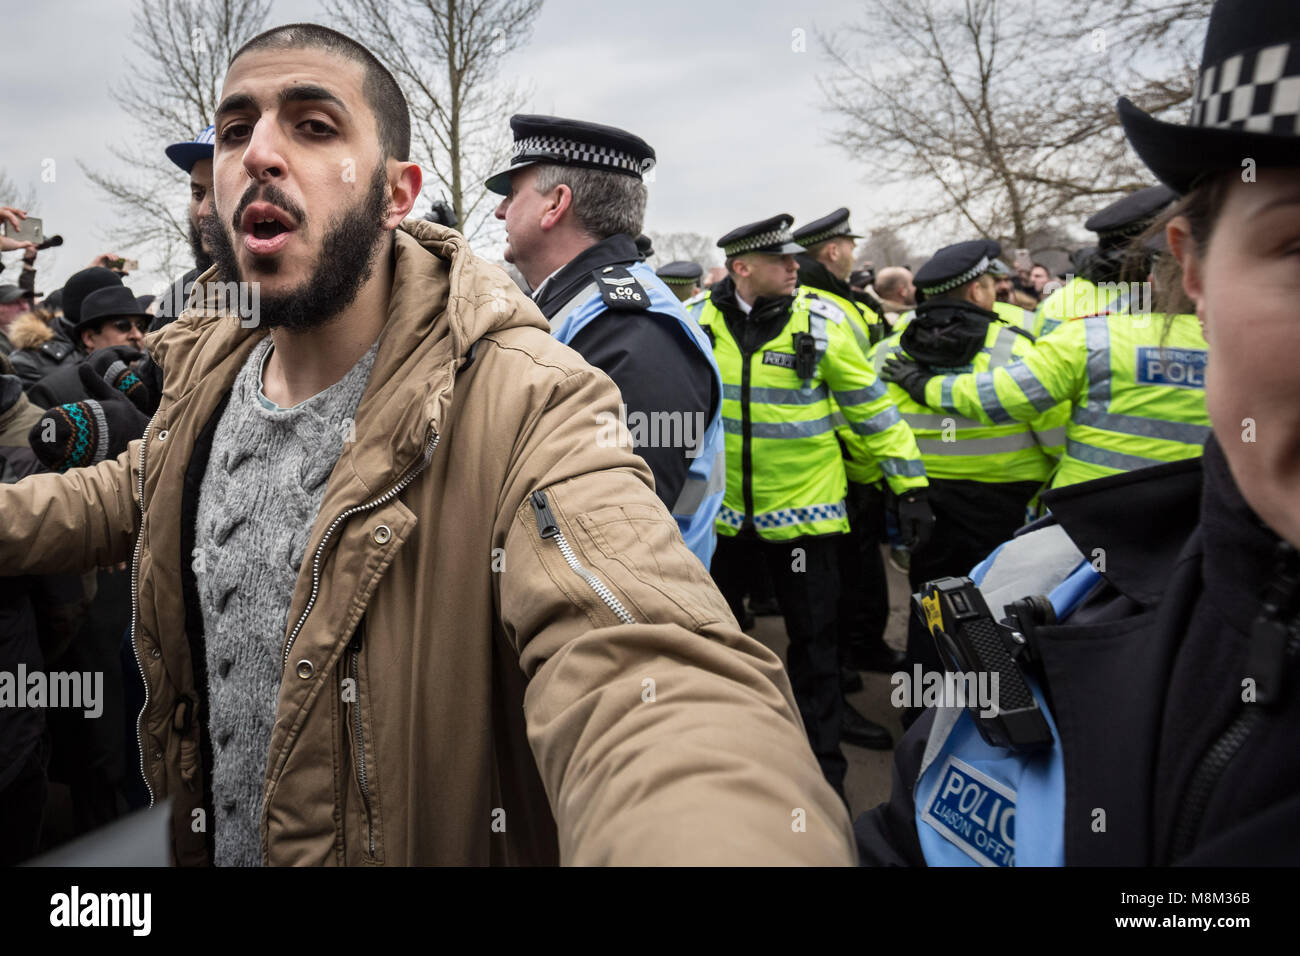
(955, 265)
(772, 236)
(680, 272)
(1128, 216)
(827, 227)
(567, 142)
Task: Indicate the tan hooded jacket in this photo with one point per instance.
(499, 649)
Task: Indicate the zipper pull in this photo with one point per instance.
(546, 525)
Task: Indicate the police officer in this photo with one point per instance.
(1169, 680)
(573, 207)
(682, 278)
(826, 266)
(786, 355)
(1135, 384)
(982, 476)
(1099, 269)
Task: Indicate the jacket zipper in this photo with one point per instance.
(547, 528)
(135, 613)
(362, 782)
(1280, 612)
(356, 509)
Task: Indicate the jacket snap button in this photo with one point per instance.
(305, 670)
(162, 435)
(155, 653)
(382, 534)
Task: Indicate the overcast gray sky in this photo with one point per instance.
(734, 113)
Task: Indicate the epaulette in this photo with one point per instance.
(827, 310)
(620, 289)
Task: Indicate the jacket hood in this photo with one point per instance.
(28, 332)
(946, 334)
(443, 299)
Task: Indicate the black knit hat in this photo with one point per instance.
(1246, 105)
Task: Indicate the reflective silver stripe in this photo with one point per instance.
(1110, 459)
(882, 355)
(730, 517)
(1187, 432)
(864, 342)
(697, 489)
(977, 446)
(1097, 333)
(860, 396)
(937, 422)
(778, 396)
(878, 422)
(945, 395)
(572, 305)
(785, 517)
(808, 429)
(1052, 436)
(1000, 354)
(988, 396)
(1035, 392)
(901, 466)
(1048, 325)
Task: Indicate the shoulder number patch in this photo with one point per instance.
(620, 289)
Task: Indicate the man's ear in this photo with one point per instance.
(1179, 236)
(86, 340)
(405, 180)
(557, 204)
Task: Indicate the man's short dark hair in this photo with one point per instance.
(392, 115)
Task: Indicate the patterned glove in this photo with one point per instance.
(81, 434)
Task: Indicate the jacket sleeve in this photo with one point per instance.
(1050, 373)
(86, 518)
(876, 431)
(886, 835)
(663, 735)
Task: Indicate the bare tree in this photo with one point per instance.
(1004, 119)
(170, 95)
(684, 246)
(447, 56)
(883, 247)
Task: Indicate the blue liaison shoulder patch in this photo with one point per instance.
(975, 813)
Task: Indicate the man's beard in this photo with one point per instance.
(345, 262)
(202, 260)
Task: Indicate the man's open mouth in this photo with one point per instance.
(266, 228)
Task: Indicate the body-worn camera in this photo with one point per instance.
(805, 355)
(970, 641)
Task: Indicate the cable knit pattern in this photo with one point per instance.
(259, 498)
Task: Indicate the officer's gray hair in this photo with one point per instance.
(604, 203)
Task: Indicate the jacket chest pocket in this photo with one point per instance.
(362, 807)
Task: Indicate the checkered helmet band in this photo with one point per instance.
(559, 149)
(1255, 92)
(978, 269)
(762, 240)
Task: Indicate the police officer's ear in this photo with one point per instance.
(1179, 236)
(555, 204)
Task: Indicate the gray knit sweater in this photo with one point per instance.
(259, 498)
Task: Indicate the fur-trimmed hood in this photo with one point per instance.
(28, 331)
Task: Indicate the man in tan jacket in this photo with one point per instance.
(494, 646)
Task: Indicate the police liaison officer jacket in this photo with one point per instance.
(611, 308)
(496, 582)
(1174, 714)
(785, 477)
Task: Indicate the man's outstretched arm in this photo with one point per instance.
(663, 734)
(83, 519)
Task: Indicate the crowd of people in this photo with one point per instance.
(383, 542)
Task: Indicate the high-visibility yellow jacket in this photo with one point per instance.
(1015, 315)
(956, 446)
(1136, 390)
(785, 474)
(1079, 297)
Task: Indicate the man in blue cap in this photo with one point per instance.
(195, 158)
(574, 205)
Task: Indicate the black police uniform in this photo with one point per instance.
(645, 353)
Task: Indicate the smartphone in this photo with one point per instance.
(125, 265)
(33, 230)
